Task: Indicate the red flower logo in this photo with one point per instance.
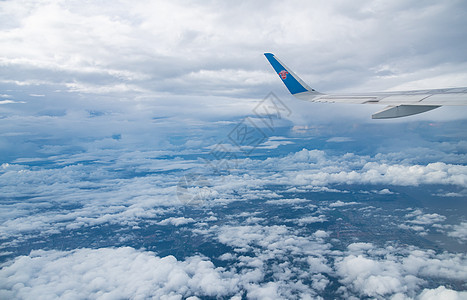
(283, 74)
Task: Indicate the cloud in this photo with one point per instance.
(321, 234)
(274, 143)
(207, 47)
(372, 172)
(441, 293)
(385, 192)
(10, 102)
(176, 221)
(112, 272)
(120, 100)
(339, 139)
(121, 61)
(362, 270)
(459, 232)
(106, 271)
(113, 195)
(287, 201)
(425, 219)
(339, 203)
(311, 219)
(370, 275)
(358, 248)
(315, 168)
(421, 222)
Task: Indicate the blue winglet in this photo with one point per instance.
(293, 83)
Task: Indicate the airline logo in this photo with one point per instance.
(283, 74)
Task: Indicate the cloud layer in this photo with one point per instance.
(362, 269)
(124, 170)
(149, 49)
(282, 255)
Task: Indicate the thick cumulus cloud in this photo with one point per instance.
(311, 168)
(364, 270)
(441, 293)
(260, 268)
(381, 272)
(112, 273)
(378, 173)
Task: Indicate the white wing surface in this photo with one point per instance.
(398, 104)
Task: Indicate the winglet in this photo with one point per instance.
(293, 83)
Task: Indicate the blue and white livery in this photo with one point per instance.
(399, 104)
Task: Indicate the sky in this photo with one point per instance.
(108, 107)
(184, 64)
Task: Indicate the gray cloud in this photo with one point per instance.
(215, 48)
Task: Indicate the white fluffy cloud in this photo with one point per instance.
(339, 203)
(380, 273)
(260, 252)
(460, 231)
(363, 270)
(421, 222)
(311, 219)
(441, 293)
(112, 273)
(177, 221)
(424, 219)
(377, 173)
(313, 168)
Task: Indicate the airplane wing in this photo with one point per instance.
(399, 104)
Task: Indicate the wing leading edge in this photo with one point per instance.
(399, 104)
